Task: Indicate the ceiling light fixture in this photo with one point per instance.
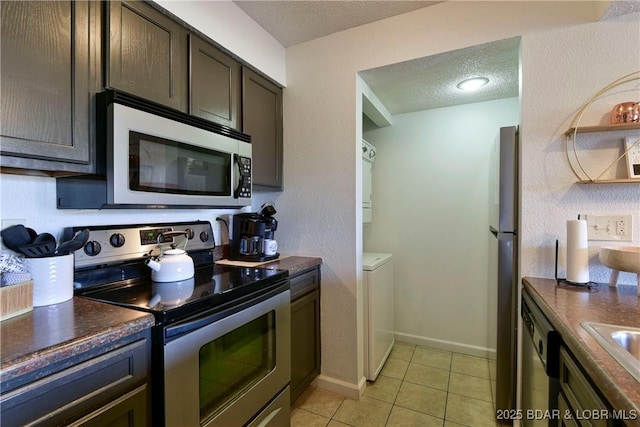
(472, 84)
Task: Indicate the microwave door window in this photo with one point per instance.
(193, 175)
(163, 166)
(156, 170)
(201, 174)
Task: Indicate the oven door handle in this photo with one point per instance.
(203, 319)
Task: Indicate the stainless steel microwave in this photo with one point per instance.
(156, 157)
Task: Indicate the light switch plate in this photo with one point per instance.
(6, 223)
(610, 227)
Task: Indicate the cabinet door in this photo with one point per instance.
(147, 54)
(214, 84)
(564, 408)
(48, 76)
(76, 391)
(129, 410)
(262, 119)
(305, 342)
(578, 392)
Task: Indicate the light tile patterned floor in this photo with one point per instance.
(418, 386)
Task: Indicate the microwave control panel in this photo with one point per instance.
(243, 190)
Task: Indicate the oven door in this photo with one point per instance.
(225, 371)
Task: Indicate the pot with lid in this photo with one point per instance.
(173, 264)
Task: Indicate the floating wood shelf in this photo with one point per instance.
(611, 181)
(570, 137)
(603, 128)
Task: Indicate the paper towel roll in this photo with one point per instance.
(577, 252)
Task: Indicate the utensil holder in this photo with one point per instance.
(52, 279)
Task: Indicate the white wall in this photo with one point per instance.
(582, 61)
(34, 199)
(322, 133)
(431, 211)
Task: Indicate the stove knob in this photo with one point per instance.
(92, 248)
(190, 233)
(116, 240)
(204, 236)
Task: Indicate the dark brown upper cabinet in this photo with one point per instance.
(214, 84)
(262, 119)
(147, 54)
(49, 72)
(52, 64)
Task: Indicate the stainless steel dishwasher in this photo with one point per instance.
(540, 356)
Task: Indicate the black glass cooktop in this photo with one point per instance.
(213, 286)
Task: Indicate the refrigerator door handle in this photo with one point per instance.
(495, 231)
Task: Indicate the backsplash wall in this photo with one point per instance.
(34, 199)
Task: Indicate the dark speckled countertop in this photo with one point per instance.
(50, 334)
(567, 307)
(295, 264)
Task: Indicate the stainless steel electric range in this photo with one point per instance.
(221, 340)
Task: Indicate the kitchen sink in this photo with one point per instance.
(622, 342)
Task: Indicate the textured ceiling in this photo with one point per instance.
(621, 7)
(430, 82)
(297, 21)
(416, 85)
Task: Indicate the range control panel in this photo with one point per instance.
(118, 243)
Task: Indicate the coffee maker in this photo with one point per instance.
(253, 236)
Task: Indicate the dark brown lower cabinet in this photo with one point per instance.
(108, 388)
(305, 330)
(580, 402)
(126, 411)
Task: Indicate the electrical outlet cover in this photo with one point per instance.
(609, 227)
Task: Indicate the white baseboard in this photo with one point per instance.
(350, 390)
(489, 353)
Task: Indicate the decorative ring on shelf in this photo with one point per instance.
(576, 121)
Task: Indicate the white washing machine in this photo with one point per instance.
(379, 335)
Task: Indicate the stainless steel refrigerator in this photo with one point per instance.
(504, 260)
